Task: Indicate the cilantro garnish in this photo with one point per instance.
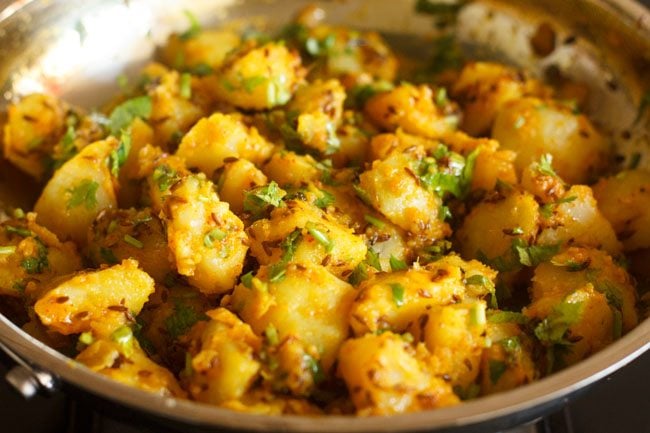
(127, 112)
(397, 264)
(182, 319)
(398, 293)
(289, 245)
(118, 156)
(165, 177)
(497, 368)
(194, 29)
(258, 200)
(84, 193)
(320, 234)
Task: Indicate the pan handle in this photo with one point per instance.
(27, 379)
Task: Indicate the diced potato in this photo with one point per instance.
(289, 367)
(533, 127)
(172, 114)
(119, 234)
(413, 109)
(259, 78)
(219, 137)
(31, 255)
(223, 365)
(508, 362)
(354, 56)
(455, 337)
(206, 240)
(34, 125)
(577, 221)
(78, 192)
(122, 359)
(289, 168)
(484, 88)
(385, 377)
(98, 301)
(394, 190)
(624, 200)
(393, 301)
(238, 177)
(354, 144)
(579, 267)
(207, 48)
(307, 303)
(319, 106)
(321, 239)
(491, 226)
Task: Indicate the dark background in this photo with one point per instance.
(618, 404)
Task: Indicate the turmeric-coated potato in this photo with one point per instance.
(219, 137)
(78, 192)
(202, 52)
(384, 376)
(259, 77)
(33, 127)
(99, 301)
(31, 255)
(206, 240)
(534, 127)
(301, 300)
(237, 178)
(223, 358)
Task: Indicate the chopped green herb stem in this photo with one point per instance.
(133, 241)
(398, 293)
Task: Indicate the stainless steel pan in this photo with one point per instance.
(77, 48)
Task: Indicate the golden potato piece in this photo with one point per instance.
(206, 240)
(99, 301)
(624, 200)
(30, 254)
(120, 357)
(385, 377)
(202, 52)
(34, 125)
(78, 192)
(238, 177)
(219, 137)
(306, 302)
(533, 127)
(259, 78)
(223, 358)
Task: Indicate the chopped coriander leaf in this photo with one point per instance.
(320, 235)
(257, 200)
(467, 172)
(133, 241)
(571, 265)
(68, 149)
(271, 334)
(545, 165)
(506, 317)
(108, 256)
(165, 177)
(201, 70)
(472, 391)
(441, 97)
(127, 112)
(19, 213)
(213, 235)
(289, 245)
(398, 293)
(194, 29)
(84, 193)
(247, 280)
(320, 47)
(372, 258)
(397, 264)
(444, 213)
(359, 274)
(86, 338)
(324, 200)
(497, 368)
(182, 319)
(118, 156)
(479, 280)
(510, 344)
(447, 55)
(477, 315)
(7, 250)
(533, 255)
(36, 265)
(251, 83)
(374, 221)
(19, 231)
(552, 329)
(360, 94)
(185, 85)
(362, 194)
(316, 369)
